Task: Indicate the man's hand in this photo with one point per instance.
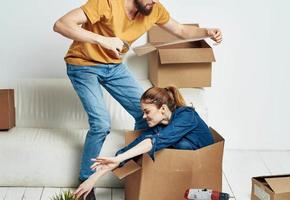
(105, 163)
(84, 189)
(215, 34)
(113, 44)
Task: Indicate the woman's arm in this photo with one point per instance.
(85, 188)
(107, 164)
(142, 147)
(184, 121)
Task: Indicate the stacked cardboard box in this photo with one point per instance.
(185, 64)
(7, 109)
(173, 171)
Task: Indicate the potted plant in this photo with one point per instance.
(66, 195)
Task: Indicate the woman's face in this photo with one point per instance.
(152, 114)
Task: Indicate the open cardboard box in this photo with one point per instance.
(185, 64)
(276, 187)
(172, 172)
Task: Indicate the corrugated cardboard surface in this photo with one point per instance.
(184, 75)
(174, 171)
(156, 35)
(279, 184)
(7, 109)
(183, 65)
(276, 187)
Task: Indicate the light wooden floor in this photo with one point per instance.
(239, 166)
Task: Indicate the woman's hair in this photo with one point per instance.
(169, 96)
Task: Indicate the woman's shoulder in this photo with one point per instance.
(184, 112)
(182, 109)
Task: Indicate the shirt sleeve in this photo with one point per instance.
(149, 133)
(96, 10)
(162, 14)
(182, 123)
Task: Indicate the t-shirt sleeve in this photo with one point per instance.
(96, 10)
(162, 14)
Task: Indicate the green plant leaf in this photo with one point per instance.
(65, 195)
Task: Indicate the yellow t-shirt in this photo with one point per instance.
(108, 18)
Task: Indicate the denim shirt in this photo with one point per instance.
(185, 130)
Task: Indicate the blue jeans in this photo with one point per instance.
(120, 83)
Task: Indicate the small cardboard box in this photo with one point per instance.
(271, 187)
(172, 172)
(7, 109)
(184, 65)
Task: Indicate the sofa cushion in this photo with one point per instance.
(49, 157)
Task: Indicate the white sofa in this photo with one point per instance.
(44, 148)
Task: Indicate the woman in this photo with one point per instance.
(172, 125)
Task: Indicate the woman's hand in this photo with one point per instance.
(105, 163)
(215, 34)
(84, 188)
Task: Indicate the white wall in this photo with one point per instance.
(248, 102)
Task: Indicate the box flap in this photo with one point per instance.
(131, 136)
(129, 168)
(270, 176)
(186, 55)
(150, 47)
(158, 35)
(279, 184)
(217, 137)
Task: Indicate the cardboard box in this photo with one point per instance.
(184, 65)
(271, 187)
(172, 172)
(7, 109)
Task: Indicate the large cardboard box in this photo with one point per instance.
(173, 171)
(184, 65)
(7, 109)
(271, 187)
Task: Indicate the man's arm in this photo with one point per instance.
(188, 32)
(69, 26)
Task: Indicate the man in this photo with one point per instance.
(94, 59)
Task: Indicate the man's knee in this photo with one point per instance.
(97, 127)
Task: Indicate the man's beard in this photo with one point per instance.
(142, 9)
